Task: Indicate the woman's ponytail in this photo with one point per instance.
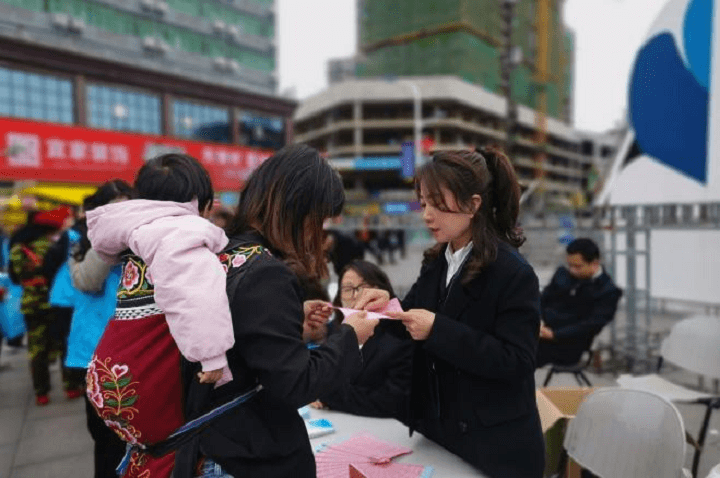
(486, 172)
(504, 196)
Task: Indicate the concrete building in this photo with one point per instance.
(229, 43)
(361, 125)
(171, 70)
(341, 69)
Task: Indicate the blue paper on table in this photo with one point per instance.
(319, 427)
(304, 412)
(12, 322)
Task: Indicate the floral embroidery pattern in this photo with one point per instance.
(239, 256)
(137, 462)
(136, 280)
(131, 275)
(111, 390)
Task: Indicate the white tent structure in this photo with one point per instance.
(673, 186)
(674, 106)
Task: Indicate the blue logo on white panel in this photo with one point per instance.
(670, 90)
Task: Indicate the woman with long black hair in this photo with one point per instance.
(277, 236)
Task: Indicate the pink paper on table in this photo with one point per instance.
(392, 306)
(390, 470)
(359, 450)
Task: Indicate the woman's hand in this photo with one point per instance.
(372, 299)
(211, 376)
(546, 332)
(317, 311)
(318, 405)
(364, 327)
(418, 322)
(317, 314)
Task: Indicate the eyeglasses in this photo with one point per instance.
(350, 291)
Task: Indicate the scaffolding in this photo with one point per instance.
(464, 38)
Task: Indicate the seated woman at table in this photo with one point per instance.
(382, 388)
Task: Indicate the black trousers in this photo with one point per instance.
(513, 449)
(559, 352)
(109, 448)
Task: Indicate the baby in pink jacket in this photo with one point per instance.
(165, 228)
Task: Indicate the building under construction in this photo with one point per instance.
(451, 74)
(467, 38)
(362, 124)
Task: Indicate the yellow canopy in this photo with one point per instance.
(70, 194)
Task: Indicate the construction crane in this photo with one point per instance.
(543, 30)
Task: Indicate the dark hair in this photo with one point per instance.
(26, 235)
(313, 288)
(587, 248)
(371, 274)
(488, 173)
(175, 177)
(222, 213)
(290, 190)
(107, 192)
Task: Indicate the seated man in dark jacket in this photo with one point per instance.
(579, 301)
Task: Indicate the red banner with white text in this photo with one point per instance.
(50, 152)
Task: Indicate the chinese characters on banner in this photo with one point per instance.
(49, 152)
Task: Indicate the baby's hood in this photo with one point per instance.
(110, 227)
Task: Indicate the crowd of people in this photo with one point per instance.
(168, 311)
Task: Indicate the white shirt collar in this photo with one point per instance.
(598, 273)
(455, 260)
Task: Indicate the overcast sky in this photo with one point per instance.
(608, 34)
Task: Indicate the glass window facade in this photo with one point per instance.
(247, 23)
(36, 5)
(188, 7)
(201, 122)
(254, 60)
(261, 131)
(35, 96)
(122, 22)
(123, 109)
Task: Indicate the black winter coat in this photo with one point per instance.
(473, 387)
(266, 437)
(383, 387)
(576, 310)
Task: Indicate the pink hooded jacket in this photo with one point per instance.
(179, 248)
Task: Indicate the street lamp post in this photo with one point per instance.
(417, 122)
(417, 118)
(510, 58)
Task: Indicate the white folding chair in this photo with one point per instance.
(693, 344)
(621, 433)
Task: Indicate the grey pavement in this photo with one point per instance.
(40, 442)
(53, 441)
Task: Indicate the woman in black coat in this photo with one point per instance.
(473, 315)
(276, 236)
(383, 387)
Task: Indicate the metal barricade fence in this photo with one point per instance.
(625, 236)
